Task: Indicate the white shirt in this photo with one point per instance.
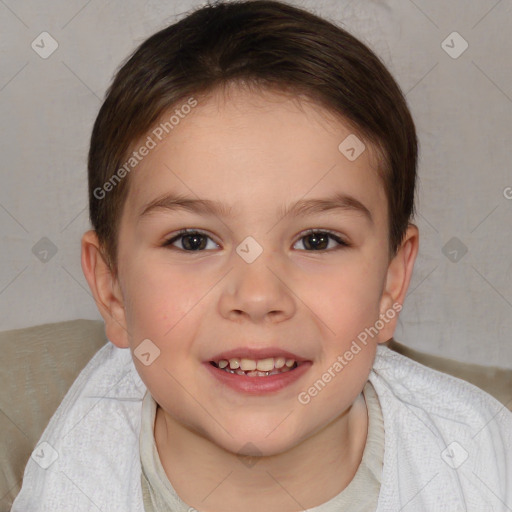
(448, 445)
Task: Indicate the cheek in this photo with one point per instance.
(345, 297)
(159, 297)
(160, 309)
(347, 303)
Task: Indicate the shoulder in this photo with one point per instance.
(443, 428)
(93, 433)
(411, 384)
(109, 377)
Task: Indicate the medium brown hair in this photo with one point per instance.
(271, 45)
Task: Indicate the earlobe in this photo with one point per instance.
(105, 290)
(398, 277)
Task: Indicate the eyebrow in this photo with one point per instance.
(303, 207)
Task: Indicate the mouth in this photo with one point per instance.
(257, 367)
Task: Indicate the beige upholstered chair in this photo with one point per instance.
(40, 363)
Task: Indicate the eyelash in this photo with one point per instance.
(188, 232)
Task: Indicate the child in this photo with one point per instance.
(251, 179)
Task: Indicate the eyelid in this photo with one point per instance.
(320, 230)
(341, 239)
(186, 231)
(338, 237)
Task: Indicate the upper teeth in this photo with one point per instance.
(263, 365)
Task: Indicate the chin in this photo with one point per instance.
(264, 442)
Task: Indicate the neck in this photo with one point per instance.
(278, 483)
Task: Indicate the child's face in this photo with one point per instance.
(255, 157)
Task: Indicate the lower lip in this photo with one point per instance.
(258, 385)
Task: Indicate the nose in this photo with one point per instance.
(257, 292)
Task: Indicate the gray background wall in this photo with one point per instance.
(459, 304)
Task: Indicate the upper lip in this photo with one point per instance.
(256, 354)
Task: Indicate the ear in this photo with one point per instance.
(397, 282)
(105, 289)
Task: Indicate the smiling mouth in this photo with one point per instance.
(233, 366)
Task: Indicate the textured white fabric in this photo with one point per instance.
(432, 423)
(95, 433)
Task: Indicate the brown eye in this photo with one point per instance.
(190, 241)
(319, 241)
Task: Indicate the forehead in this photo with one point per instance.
(255, 149)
